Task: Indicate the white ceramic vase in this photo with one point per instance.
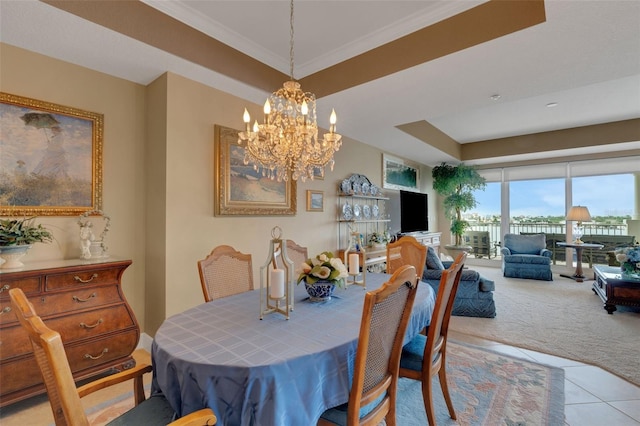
(12, 256)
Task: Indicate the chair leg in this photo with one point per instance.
(442, 375)
(427, 395)
(138, 390)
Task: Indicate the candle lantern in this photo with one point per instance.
(354, 256)
(276, 278)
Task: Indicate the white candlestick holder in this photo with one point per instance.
(276, 278)
(354, 256)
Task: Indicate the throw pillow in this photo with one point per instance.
(433, 261)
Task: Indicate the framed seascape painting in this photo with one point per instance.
(399, 174)
(315, 201)
(50, 158)
(241, 190)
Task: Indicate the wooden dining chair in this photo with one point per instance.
(385, 316)
(297, 254)
(225, 272)
(406, 251)
(425, 356)
(65, 398)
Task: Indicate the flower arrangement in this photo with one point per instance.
(323, 267)
(629, 258)
(379, 238)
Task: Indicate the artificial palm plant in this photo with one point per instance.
(456, 184)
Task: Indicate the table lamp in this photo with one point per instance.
(578, 214)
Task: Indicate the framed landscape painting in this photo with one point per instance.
(50, 158)
(399, 174)
(315, 201)
(241, 190)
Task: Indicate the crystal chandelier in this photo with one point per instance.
(286, 144)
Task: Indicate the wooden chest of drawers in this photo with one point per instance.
(83, 301)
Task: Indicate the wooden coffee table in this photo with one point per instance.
(613, 289)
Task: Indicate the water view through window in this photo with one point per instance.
(538, 205)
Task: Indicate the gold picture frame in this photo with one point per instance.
(315, 201)
(51, 162)
(239, 189)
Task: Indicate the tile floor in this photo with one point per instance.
(592, 396)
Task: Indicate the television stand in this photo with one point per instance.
(429, 239)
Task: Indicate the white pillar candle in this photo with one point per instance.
(354, 264)
(277, 283)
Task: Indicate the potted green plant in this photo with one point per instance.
(16, 237)
(456, 184)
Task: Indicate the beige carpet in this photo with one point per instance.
(560, 317)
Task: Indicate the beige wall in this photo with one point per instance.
(35, 76)
(159, 177)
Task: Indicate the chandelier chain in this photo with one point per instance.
(286, 145)
(291, 41)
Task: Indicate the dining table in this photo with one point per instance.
(271, 371)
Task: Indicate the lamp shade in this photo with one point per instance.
(579, 214)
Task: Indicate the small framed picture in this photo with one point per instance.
(315, 201)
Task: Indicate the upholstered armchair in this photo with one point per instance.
(526, 256)
(474, 297)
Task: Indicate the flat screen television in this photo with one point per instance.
(414, 212)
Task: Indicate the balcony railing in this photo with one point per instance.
(555, 231)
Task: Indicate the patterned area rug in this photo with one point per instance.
(107, 411)
(488, 388)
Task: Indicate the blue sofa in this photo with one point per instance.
(526, 256)
(475, 293)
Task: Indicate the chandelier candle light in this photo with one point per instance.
(286, 144)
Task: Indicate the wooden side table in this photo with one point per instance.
(578, 247)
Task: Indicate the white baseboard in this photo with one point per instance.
(145, 342)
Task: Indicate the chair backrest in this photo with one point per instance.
(439, 325)
(52, 360)
(406, 251)
(296, 253)
(525, 244)
(385, 317)
(225, 272)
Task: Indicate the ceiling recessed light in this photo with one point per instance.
(495, 97)
(552, 104)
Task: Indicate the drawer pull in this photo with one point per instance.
(83, 325)
(5, 310)
(79, 300)
(5, 287)
(77, 278)
(104, 351)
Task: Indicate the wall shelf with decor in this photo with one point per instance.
(361, 212)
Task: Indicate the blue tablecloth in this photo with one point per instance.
(272, 371)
